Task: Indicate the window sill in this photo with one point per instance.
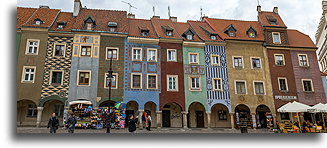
(283, 91)
(31, 54)
(280, 65)
(83, 85)
(304, 66)
(56, 84)
(172, 90)
(28, 82)
(195, 89)
(239, 68)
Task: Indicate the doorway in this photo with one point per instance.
(166, 118)
(199, 119)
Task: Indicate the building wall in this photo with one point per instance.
(324, 84)
(311, 72)
(18, 40)
(117, 67)
(84, 63)
(172, 68)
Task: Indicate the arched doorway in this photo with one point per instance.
(197, 115)
(262, 114)
(150, 108)
(172, 115)
(52, 106)
(107, 104)
(242, 115)
(132, 108)
(220, 116)
(26, 112)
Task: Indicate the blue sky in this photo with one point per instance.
(303, 15)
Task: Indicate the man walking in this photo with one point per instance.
(53, 123)
(71, 121)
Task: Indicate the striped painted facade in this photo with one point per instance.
(212, 71)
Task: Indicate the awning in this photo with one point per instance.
(294, 107)
(80, 102)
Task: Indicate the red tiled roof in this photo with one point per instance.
(66, 17)
(263, 19)
(181, 28)
(102, 17)
(241, 26)
(158, 26)
(47, 15)
(23, 14)
(203, 30)
(136, 24)
(299, 39)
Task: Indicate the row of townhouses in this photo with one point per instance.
(209, 73)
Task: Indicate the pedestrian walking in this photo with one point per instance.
(71, 121)
(148, 122)
(53, 123)
(132, 123)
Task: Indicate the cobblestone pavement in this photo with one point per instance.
(154, 130)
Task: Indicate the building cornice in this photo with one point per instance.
(165, 40)
(215, 43)
(193, 44)
(143, 40)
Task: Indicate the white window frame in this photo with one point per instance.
(175, 55)
(140, 80)
(213, 37)
(147, 81)
(23, 74)
(251, 58)
(280, 41)
(133, 59)
(214, 84)
(62, 76)
(263, 85)
(78, 76)
(190, 83)
(279, 78)
(54, 49)
(312, 87)
(212, 56)
(234, 61)
(112, 48)
(105, 79)
(284, 62)
(189, 58)
(169, 33)
(89, 26)
(28, 45)
(306, 57)
(246, 90)
(189, 37)
(176, 83)
(148, 54)
(80, 50)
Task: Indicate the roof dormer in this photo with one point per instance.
(189, 34)
(230, 31)
(61, 25)
(89, 23)
(144, 31)
(112, 26)
(251, 32)
(38, 21)
(168, 30)
(212, 36)
(272, 20)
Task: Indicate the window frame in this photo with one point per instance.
(190, 82)
(214, 83)
(176, 83)
(89, 25)
(80, 50)
(141, 75)
(62, 77)
(251, 60)
(54, 50)
(23, 74)
(147, 81)
(211, 59)
(33, 110)
(224, 112)
(263, 85)
(312, 87)
(307, 60)
(251, 32)
(105, 80)
(234, 62)
(246, 91)
(28, 45)
(189, 35)
(78, 77)
(284, 62)
(197, 57)
(279, 78)
(116, 48)
(280, 41)
(141, 56)
(174, 55)
(147, 54)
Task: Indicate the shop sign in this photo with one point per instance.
(286, 97)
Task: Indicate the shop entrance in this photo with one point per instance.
(197, 115)
(199, 119)
(166, 118)
(242, 115)
(264, 118)
(172, 115)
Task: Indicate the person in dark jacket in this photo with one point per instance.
(71, 121)
(53, 123)
(132, 124)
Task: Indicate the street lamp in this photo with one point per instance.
(109, 78)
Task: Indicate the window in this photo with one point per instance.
(193, 58)
(238, 62)
(56, 77)
(285, 116)
(28, 74)
(282, 83)
(189, 37)
(169, 33)
(89, 26)
(276, 38)
(240, 87)
(222, 115)
(152, 54)
(60, 26)
(31, 110)
(215, 60)
(256, 63)
(307, 85)
(303, 60)
(145, 33)
(152, 81)
(114, 80)
(195, 83)
(59, 109)
(112, 53)
(86, 51)
(59, 50)
(172, 82)
(84, 77)
(231, 34)
(137, 52)
(171, 55)
(32, 46)
(251, 34)
(136, 81)
(279, 59)
(217, 84)
(213, 37)
(259, 88)
(112, 29)
(38, 22)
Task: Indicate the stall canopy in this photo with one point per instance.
(80, 102)
(294, 107)
(318, 108)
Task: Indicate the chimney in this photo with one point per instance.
(44, 6)
(259, 8)
(173, 18)
(275, 10)
(130, 15)
(203, 17)
(156, 17)
(77, 7)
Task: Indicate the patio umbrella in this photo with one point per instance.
(320, 108)
(120, 105)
